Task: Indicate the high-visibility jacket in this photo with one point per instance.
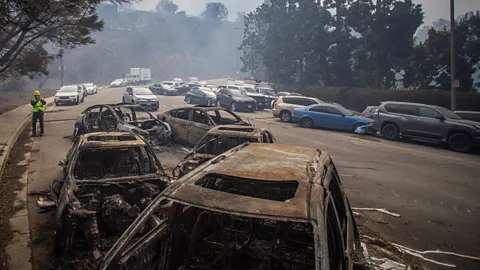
(38, 105)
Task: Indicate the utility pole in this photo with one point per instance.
(60, 55)
(453, 66)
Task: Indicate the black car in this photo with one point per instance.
(183, 89)
(235, 100)
(201, 96)
(163, 89)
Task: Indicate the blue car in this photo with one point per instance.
(329, 116)
(202, 96)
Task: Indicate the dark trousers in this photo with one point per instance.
(37, 116)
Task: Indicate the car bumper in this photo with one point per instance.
(275, 113)
(245, 106)
(146, 104)
(65, 100)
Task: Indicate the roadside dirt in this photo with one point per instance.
(10, 101)
(9, 184)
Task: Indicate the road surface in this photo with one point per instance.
(434, 189)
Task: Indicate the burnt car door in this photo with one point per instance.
(180, 124)
(200, 124)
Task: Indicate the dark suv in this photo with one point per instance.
(235, 100)
(414, 120)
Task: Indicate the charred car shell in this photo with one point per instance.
(109, 179)
(122, 118)
(219, 140)
(261, 206)
(189, 124)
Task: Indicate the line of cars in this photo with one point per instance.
(238, 198)
(75, 93)
(394, 120)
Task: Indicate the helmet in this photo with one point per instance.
(36, 93)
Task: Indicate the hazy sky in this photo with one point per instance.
(434, 9)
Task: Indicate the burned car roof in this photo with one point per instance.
(235, 130)
(273, 163)
(109, 140)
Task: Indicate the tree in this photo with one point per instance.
(215, 11)
(28, 25)
(166, 6)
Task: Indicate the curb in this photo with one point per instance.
(19, 221)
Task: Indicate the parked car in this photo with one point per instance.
(178, 80)
(122, 118)
(269, 93)
(109, 178)
(91, 88)
(328, 116)
(259, 98)
(193, 79)
(141, 96)
(170, 83)
(212, 87)
(118, 83)
(181, 90)
(249, 208)
(283, 107)
(72, 94)
(369, 112)
(202, 96)
(189, 124)
(413, 120)
(163, 89)
(235, 100)
(469, 115)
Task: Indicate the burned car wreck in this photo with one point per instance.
(189, 124)
(219, 140)
(257, 206)
(109, 179)
(122, 118)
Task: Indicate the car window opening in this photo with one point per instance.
(268, 190)
(246, 130)
(217, 144)
(112, 163)
(102, 138)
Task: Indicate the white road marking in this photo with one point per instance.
(394, 193)
(381, 210)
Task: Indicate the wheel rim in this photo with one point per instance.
(389, 132)
(459, 142)
(233, 107)
(188, 100)
(307, 122)
(285, 117)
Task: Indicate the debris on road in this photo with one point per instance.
(123, 118)
(381, 210)
(45, 205)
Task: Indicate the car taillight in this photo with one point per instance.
(275, 104)
(294, 112)
(363, 113)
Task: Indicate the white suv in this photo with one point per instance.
(284, 106)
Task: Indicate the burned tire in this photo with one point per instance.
(307, 122)
(285, 116)
(460, 142)
(391, 132)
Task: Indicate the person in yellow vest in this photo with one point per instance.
(38, 109)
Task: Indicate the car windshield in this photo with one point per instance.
(88, 84)
(218, 144)
(142, 91)
(238, 93)
(248, 89)
(447, 113)
(68, 89)
(118, 80)
(166, 86)
(267, 91)
(129, 76)
(169, 83)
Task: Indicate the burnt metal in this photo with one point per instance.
(218, 140)
(122, 118)
(257, 206)
(109, 179)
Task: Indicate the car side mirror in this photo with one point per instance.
(439, 117)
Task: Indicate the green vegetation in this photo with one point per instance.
(355, 43)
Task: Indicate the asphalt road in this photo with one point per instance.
(434, 189)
